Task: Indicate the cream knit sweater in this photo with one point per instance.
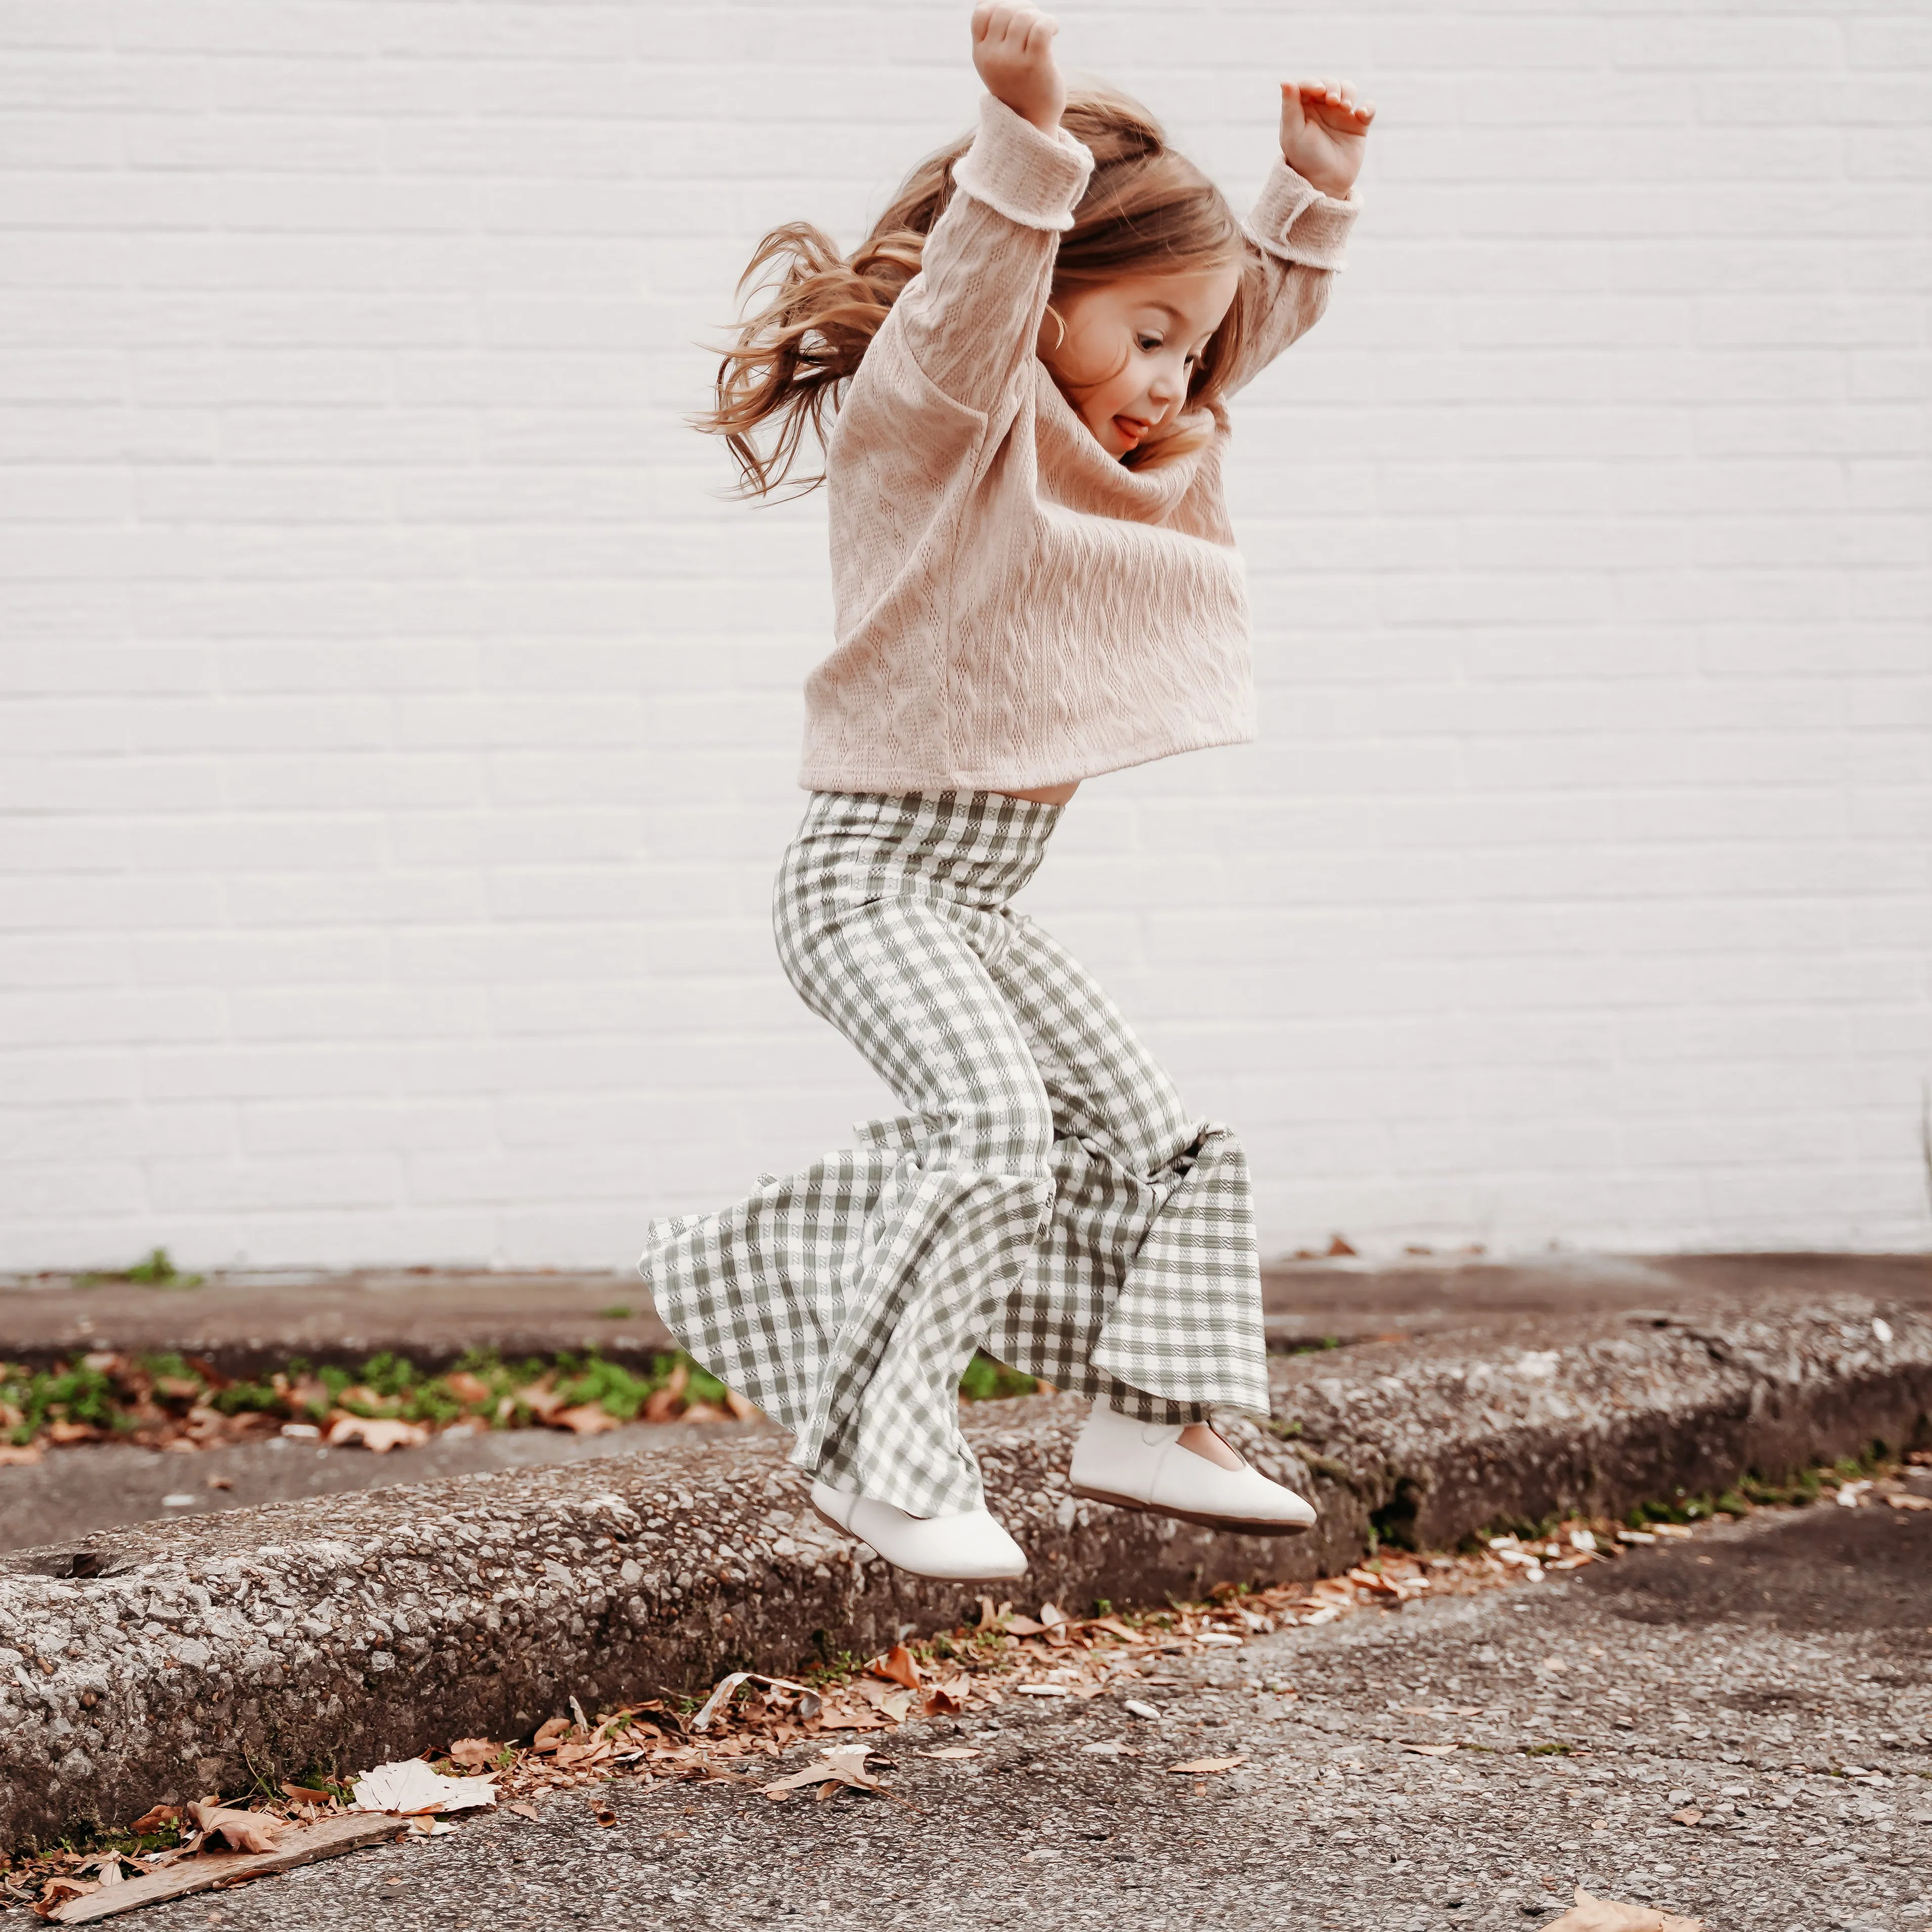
(1016, 608)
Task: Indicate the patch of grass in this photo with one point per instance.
(986, 1380)
(1283, 1428)
(156, 1271)
(618, 1311)
(1545, 1750)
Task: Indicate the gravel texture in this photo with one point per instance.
(1774, 1677)
(72, 1493)
(173, 1659)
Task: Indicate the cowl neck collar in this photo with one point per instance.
(1079, 473)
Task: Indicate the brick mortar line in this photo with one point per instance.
(371, 1626)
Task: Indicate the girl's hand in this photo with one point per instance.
(1013, 48)
(1324, 131)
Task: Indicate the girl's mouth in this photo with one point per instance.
(1130, 429)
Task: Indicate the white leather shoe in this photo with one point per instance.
(1144, 1465)
(969, 1548)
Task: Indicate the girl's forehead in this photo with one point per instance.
(1200, 296)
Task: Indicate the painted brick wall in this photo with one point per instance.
(397, 739)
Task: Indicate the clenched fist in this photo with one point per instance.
(1013, 48)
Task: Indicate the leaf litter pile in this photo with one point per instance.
(750, 1720)
(186, 1402)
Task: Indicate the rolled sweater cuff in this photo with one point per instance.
(1297, 221)
(1034, 179)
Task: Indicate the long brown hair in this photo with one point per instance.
(1145, 207)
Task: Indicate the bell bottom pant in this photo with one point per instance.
(1044, 1197)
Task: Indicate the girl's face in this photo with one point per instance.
(1130, 348)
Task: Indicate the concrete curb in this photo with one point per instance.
(345, 1632)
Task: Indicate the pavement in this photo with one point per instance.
(247, 1324)
(156, 1662)
(1773, 1677)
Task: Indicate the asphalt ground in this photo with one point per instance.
(1774, 1675)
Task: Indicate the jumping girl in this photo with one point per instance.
(1019, 383)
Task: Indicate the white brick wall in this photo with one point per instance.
(396, 740)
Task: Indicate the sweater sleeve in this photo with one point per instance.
(970, 316)
(1302, 235)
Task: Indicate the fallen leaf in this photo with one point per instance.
(1051, 1614)
(540, 1399)
(378, 1433)
(241, 1831)
(1910, 1502)
(1022, 1625)
(220, 1482)
(529, 1811)
(56, 1892)
(466, 1387)
(1612, 1915)
(958, 1751)
(409, 1786)
(1202, 1767)
(844, 1764)
(473, 1753)
(1141, 1710)
(1431, 1751)
(899, 1664)
(157, 1816)
(588, 1418)
(18, 1454)
(741, 1406)
(302, 1794)
(1686, 1817)
(550, 1733)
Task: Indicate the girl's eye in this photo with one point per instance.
(1149, 342)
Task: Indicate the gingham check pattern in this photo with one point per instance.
(1044, 1196)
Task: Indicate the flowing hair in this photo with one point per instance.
(1145, 208)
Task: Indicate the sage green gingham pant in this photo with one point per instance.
(1044, 1197)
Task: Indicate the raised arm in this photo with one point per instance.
(1300, 223)
(970, 318)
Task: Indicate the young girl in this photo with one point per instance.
(1036, 582)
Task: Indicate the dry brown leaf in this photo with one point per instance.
(1431, 1751)
(378, 1433)
(588, 1418)
(466, 1387)
(157, 1816)
(550, 1733)
(844, 1764)
(473, 1753)
(306, 1794)
(741, 1406)
(1906, 1501)
(242, 1831)
(1686, 1817)
(1205, 1767)
(18, 1454)
(1612, 1915)
(56, 1892)
(529, 1811)
(899, 1664)
(954, 1751)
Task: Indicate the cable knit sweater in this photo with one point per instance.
(1015, 607)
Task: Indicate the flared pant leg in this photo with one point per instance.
(1044, 1196)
